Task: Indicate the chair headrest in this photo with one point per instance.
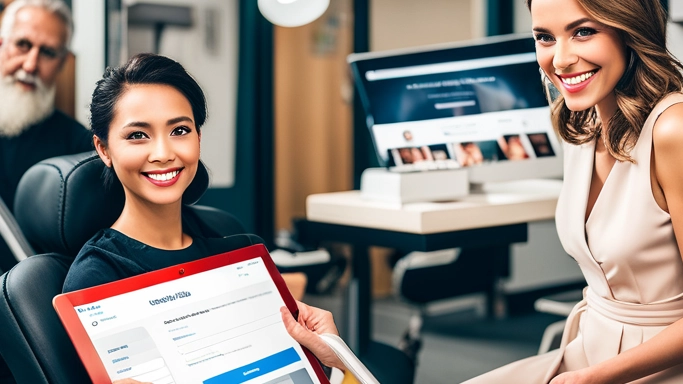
(62, 202)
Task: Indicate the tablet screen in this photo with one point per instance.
(218, 326)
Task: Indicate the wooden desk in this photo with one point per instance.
(490, 219)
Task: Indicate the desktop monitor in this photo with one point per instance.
(478, 104)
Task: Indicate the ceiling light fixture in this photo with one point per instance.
(292, 13)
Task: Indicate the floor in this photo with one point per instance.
(458, 343)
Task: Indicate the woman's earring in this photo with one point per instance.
(551, 93)
(628, 73)
(631, 62)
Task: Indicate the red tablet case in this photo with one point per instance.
(64, 304)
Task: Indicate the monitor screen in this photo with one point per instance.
(479, 105)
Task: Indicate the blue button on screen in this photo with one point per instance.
(256, 369)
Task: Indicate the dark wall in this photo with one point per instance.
(364, 155)
(500, 20)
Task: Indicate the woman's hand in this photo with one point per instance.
(129, 381)
(582, 376)
(313, 322)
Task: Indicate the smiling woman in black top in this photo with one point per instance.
(146, 117)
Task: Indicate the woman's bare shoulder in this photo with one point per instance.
(667, 134)
(667, 144)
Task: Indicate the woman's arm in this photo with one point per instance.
(664, 350)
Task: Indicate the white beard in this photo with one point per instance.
(20, 109)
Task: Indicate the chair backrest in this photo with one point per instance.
(14, 246)
(61, 203)
(33, 342)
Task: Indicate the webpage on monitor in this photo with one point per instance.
(462, 113)
(219, 326)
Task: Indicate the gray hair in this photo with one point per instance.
(56, 7)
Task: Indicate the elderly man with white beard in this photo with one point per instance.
(34, 38)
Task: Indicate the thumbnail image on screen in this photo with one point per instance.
(513, 147)
(541, 144)
(473, 153)
(435, 156)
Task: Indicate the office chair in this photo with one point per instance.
(14, 247)
(560, 304)
(421, 278)
(60, 204)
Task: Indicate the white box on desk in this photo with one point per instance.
(410, 187)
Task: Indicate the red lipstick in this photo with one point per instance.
(573, 88)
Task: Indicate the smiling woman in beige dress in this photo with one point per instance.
(620, 213)
(621, 115)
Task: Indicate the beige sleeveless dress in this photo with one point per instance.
(629, 256)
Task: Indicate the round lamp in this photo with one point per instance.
(292, 13)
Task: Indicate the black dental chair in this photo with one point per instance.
(13, 245)
(60, 204)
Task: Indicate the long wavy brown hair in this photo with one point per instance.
(651, 73)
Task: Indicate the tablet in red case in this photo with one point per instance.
(215, 320)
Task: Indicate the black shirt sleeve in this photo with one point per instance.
(75, 137)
